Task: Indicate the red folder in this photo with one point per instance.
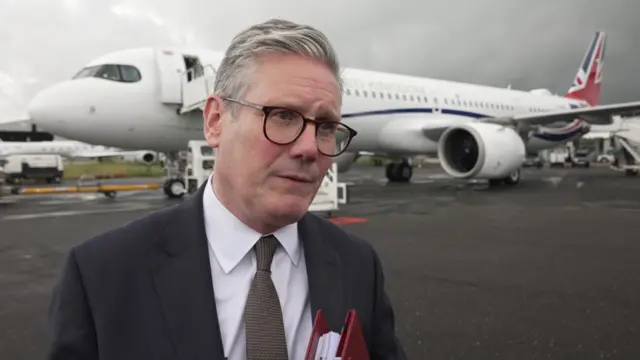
(352, 345)
(319, 328)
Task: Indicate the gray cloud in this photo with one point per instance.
(525, 43)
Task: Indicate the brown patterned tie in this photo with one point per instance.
(263, 314)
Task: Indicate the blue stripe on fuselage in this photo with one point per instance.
(426, 110)
(414, 111)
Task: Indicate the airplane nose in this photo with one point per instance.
(46, 108)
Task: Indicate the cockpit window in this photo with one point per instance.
(109, 72)
(113, 72)
(87, 72)
(129, 73)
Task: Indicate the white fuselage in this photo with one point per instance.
(385, 109)
(61, 147)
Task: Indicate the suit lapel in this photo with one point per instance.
(324, 272)
(182, 277)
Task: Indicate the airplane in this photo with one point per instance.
(74, 149)
(153, 98)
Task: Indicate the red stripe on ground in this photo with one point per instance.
(347, 220)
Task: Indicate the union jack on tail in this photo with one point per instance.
(586, 84)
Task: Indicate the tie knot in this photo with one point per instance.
(265, 248)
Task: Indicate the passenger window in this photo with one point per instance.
(130, 73)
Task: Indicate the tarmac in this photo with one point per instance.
(548, 269)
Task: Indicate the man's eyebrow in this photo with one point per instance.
(327, 115)
(324, 112)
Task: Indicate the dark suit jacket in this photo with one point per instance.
(144, 290)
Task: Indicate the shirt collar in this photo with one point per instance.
(231, 240)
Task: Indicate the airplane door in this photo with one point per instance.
(171, 67)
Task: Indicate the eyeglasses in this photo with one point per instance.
(284, 126)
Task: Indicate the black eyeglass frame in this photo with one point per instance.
(268, 109)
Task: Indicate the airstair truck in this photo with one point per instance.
(201, 159)
(626, 155)
(3, 175)
(201, 162)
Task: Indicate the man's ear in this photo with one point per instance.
(212, 120)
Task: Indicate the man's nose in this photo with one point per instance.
(306, 145)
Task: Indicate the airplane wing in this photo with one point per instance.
(92, 154)
(96, 154)
(15, 117)
(595, 115)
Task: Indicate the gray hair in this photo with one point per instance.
(275, 35)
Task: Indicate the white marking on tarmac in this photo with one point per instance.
(422, 181)
(132, 207)
(439, 176)
(69, 200)
(555, 180)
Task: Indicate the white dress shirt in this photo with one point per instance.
(233, 266)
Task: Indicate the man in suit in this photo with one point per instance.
(240, 268)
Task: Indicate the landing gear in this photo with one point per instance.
(400, 171)
(512, 179)
(174, 188)
(174, 185)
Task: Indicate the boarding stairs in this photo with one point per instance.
(197, 85)
(627, 157)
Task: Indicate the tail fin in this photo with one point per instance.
(586, 85)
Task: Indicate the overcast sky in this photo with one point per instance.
(526, 43)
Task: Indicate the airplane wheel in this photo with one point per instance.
(630, 172)
(405, 171)
(399, 172)
(391, 172)
(174, 188)
(513, 178)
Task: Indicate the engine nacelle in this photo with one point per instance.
(146, 157)
(481, 150)
(345, 160)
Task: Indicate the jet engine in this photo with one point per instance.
(481, 150)
(146, 157)
(345, 160)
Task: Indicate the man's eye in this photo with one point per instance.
(284, 115)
